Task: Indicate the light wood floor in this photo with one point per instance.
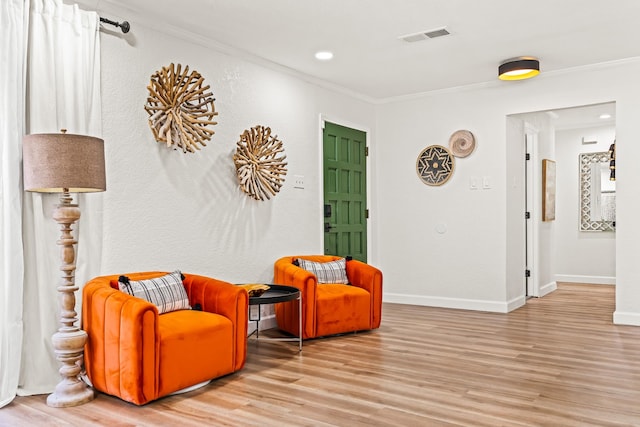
(558, 361)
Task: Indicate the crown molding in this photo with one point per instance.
(127, 11)
(500, 83)
(124, 10)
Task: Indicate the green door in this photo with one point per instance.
(345, 192)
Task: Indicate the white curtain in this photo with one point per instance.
(63, 91)
(13, 45)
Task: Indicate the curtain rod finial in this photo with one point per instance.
(124, 26)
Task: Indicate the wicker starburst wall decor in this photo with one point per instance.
(260, 164)
(180, 108)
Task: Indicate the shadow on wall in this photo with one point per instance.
(234, 219)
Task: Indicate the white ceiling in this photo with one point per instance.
(372, 62)
(370, 59)
(584, 116)
(577, 117)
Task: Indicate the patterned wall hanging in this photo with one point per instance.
(180, 108)
(612, 161)
(260, 164)
(462, 143)
(435, 165)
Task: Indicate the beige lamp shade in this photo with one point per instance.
(55, 162)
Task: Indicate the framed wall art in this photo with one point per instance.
(548, 190)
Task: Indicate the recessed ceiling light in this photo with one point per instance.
(605, 116)
(324, 55)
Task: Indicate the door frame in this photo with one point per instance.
(533, 194)
(371, 256)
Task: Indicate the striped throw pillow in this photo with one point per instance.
(327, 272)
(166, 292)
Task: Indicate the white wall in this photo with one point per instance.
(546, 229)
(516, 241)
(167, 210)
(581, 256)
(466, 266)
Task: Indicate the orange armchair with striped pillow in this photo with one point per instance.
(329, 308)
(139, 355)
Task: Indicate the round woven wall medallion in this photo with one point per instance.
(462, 143)
(180, 108)
(435, 165)
(260, 164)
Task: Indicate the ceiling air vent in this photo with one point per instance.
(424, 35)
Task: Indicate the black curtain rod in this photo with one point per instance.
(124, 25)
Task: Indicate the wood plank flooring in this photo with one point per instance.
(558, 361)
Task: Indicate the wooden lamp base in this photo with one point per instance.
(69, 341)
(71, 391)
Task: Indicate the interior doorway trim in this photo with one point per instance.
(533, 192)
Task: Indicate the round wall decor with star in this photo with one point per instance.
(435, 165)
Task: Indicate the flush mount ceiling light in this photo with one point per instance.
(523, 67)
(324, 55)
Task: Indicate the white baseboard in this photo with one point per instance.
(266, 322)
(632, 319)
(548, 288)
(458, 303)
(594, 280)
(516, 303)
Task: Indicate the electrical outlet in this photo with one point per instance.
(298, 181)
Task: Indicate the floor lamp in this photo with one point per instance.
(65, 163)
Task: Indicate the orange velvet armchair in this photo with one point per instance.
(329, 309)
(138, 355)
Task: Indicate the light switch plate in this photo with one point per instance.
(473, 183)
(486, 184)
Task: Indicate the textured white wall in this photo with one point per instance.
(516, 256)
(580, 255)
(164, 209)
(465, 267)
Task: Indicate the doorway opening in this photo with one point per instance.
(556, 250)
